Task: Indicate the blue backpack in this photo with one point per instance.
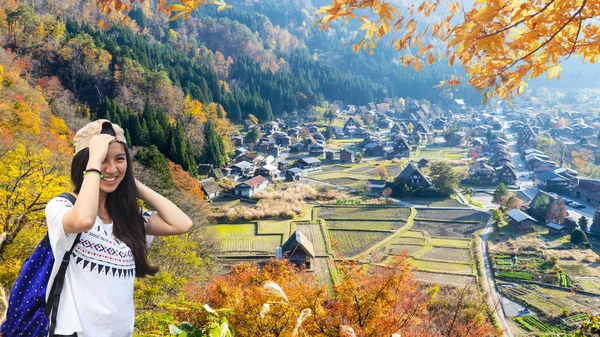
(28, 313)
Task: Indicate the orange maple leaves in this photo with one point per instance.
(500, 43)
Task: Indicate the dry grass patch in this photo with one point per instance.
(447, 229)
(437, 278)
(398, 249)
(448, 254)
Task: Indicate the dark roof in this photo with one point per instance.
(408, 171)
(549, 175)
(298, 241)
(519, 216)
(310, 160)
(210, 186)
(204, 168)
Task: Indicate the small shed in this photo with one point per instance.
(299, 250)
(293, 174)
(268, 171)
(555, 228)
(347, 156)
(520, 220)
(210, 188)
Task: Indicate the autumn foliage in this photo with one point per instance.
(278, 300)
(501, 44)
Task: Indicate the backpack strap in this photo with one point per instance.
(59, 280)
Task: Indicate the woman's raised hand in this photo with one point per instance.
(98, 148)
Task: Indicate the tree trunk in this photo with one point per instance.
(10, 235)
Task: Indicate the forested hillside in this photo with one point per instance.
(177, 88)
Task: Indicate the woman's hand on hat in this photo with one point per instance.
(98, 148)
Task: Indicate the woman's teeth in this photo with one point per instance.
(110, 179)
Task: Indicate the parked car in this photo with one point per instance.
(576, 205)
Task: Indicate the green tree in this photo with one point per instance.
(498, 216)
(596, 221)
(578, 237)
(501, 194)
(153, 159)
(254, 135)
(443, 177)
(582, 222)
(540, 206)
(214, 150)
(328, 134)
(137, 15)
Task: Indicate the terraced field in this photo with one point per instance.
(448, 254)
(363, 213)
(448, 279)
(551, 301)
(447, 229)
(350, 243)
(452, 214)
(240, 238)
(369, 225)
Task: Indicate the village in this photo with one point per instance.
(506, 226)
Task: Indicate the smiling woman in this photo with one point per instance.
(103, 236)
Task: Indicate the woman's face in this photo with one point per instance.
(113, 168)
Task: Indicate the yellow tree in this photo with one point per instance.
(31, 176)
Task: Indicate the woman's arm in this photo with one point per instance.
(169, 219)
(83, 215)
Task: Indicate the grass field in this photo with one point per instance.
(363, 213)
(442, 152)
(351, 243)
(447, 229)
(242, 238)
(369, 225)
(342, 178)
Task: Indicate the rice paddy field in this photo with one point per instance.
(362, 225)
(447, 229)
(452, 214)
(446, 279)
(350, 243)
(243, 238)
(366, 213)
(439, 248)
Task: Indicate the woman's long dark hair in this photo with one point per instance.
(128, 223)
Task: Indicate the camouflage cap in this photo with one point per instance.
(83, 136)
